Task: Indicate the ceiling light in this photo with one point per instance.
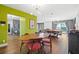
(37, 4)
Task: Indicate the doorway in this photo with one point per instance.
(13, 33)
(16, 28)
(13, 25)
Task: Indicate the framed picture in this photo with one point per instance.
(32, 24)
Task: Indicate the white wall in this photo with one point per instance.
(77, 22)
(10, 21)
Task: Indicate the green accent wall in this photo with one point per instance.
(22, 25)
(24, 20)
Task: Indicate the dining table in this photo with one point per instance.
(54, 31)
(33, 36)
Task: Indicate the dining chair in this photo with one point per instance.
(46, 43)
(34, 46)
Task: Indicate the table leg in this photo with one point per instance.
(21, 46)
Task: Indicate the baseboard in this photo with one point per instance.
(3, 45)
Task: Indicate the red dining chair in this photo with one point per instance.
(33, 45)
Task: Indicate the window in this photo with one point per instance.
(40, 26)
(62, 27)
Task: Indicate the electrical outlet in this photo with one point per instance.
(3, 41)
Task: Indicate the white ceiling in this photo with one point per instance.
(49, 11)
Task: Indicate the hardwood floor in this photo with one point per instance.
(13, 46)
(58, 47)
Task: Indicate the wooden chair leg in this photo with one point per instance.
(42, 48)
(50, 45)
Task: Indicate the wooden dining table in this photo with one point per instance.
(31, 36)
(34, 36)
(53, 31)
